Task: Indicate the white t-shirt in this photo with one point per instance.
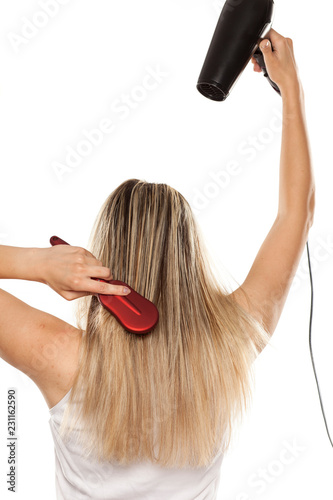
(78, 478)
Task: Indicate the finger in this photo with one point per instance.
(99, 287)
(99, 272)
(273, 35)
(267, 49)
(94, 262)
(256, 66)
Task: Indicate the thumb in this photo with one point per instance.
(265, 46)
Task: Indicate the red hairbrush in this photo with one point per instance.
(134, 312)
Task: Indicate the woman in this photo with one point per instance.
(151, 416)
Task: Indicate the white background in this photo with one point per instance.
(64, 80)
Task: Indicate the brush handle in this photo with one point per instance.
(54, 240)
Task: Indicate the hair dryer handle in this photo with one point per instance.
(260, 60)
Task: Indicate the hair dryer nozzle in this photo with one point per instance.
(212, 90)
(239, 29)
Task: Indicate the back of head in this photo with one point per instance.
(171, 396)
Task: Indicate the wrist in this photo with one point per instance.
(292, 94)
(293, 107)
(36, 267)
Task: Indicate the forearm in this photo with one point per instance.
(19, 263)
(297, 186)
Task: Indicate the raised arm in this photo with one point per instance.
(265, 289)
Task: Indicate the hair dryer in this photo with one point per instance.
(241, 26)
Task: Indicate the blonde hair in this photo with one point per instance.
(172, 396)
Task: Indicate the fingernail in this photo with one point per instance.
(264, 44)
(126, 290)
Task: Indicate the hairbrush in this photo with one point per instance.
(135, 313)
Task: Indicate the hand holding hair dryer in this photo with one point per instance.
(241, 27)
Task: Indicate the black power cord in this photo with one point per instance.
(310, 344)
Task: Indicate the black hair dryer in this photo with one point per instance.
(241, 27)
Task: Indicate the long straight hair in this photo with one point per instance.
(172, 396)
